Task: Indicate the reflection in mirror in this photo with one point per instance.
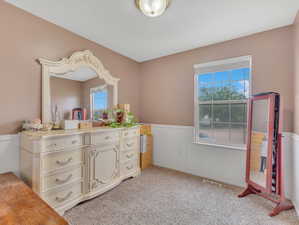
(259, 142)
(99, 97)
(79, 95)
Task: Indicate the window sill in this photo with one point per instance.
(222, 146)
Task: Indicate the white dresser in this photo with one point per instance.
(68, 167)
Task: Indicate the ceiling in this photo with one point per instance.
(81, 74)
(187, 24)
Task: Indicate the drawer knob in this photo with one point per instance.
(129, 167)
(130, 144)
(63, 163)
(59, 181)
(107, 137)
(130, 156)
(54, 145)
(74, 142)
(59, 199)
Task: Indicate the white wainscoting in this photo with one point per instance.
(294, 166)
(9, 153)
(173, 148)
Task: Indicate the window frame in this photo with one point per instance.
(197, 102)
(91, 92)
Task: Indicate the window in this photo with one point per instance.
(222, 89)
(98, 100)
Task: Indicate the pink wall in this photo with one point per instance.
(66, 94)
(159, 91)
(25, 38)
(167, 82)
(296, 81)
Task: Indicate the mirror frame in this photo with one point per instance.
(65, 65)
(271, 99)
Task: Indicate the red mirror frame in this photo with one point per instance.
(271, 106)
(278, 196)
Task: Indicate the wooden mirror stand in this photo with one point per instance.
(264, 163)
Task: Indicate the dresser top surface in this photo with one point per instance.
(52, 133)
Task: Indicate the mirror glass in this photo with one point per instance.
(259, 142)
(79, 95)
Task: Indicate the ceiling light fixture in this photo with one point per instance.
(152, 8)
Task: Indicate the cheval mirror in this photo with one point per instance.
(264, 164)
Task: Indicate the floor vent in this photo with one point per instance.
(212, 182)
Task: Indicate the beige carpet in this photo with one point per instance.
(165, 197)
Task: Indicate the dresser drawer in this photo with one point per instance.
(63, 178)
(131, 144)
(60, 160)
(132, 132)
(61, 196)
(128, 155)
(59, 143)
(128, 167)
(105, 138)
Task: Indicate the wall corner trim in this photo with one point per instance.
(295, 148)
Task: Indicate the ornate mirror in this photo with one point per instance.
(78, 87)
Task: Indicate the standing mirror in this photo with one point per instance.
(76, 88)
(264, 164)
(260, 147)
